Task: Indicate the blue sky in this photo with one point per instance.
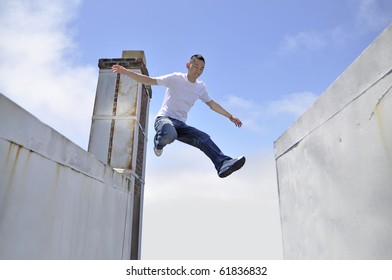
(266, 63)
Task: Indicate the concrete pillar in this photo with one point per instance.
(118, 135)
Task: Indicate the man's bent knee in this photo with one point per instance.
(167, 134)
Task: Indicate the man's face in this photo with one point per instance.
(195, 69)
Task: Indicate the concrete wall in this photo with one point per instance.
(334, 166)
(57, 201)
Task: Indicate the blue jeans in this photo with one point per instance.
(169, 129)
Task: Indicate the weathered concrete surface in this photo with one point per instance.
(57, 201)
(119, 128)
(334, 166)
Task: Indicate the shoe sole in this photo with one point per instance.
(157, 152)
(237, 165)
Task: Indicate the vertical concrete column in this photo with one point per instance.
(118, 135)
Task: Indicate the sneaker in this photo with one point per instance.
(158, 152)
(231, 165)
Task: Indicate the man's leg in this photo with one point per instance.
(201, 140)
(165, 133)
(169, 129)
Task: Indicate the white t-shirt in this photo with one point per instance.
(180, 95)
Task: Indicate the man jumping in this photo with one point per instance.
(183, 89)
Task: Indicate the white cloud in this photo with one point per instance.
(191, 163)
(257, 117)
(374, 14)
(294, 104)
(368, 16)
(203, 216)
(302, 41)
(37, 68)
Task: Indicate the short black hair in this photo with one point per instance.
(197, 56)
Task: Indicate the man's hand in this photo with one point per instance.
(236, 121)
(119, 69)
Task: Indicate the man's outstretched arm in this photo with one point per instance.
(145, 80)
(219, 109)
